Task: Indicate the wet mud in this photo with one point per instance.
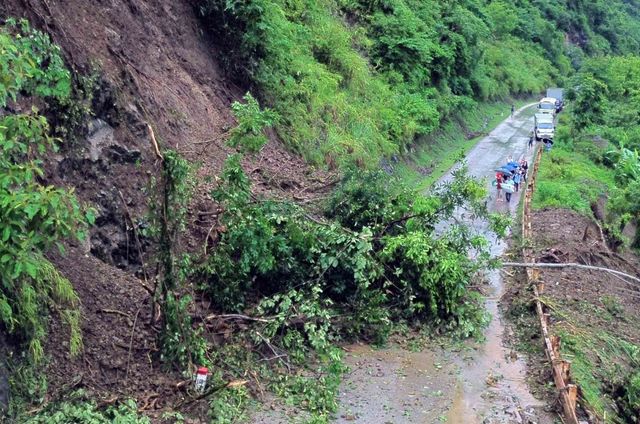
(395, 386)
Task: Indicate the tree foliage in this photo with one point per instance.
(380, 259)
(605, 99)
(354, 80)
(33, 216)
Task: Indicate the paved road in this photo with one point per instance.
(491, 385)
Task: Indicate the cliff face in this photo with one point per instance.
(155, 67)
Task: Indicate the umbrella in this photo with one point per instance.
(505, 171)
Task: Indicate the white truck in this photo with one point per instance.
(547, 106)
(544, 127)
(558, 94)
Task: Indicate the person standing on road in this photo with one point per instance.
(530, 141)
(508, 187)
(516, 180)
(499, 186)
(525, 169)
(513, 110)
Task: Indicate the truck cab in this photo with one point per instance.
(544, 127)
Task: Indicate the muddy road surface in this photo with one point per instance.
(473, 383)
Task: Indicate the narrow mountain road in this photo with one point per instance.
(475, 383)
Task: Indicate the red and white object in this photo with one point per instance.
(201, 379)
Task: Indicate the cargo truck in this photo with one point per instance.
(558, 94)
(547, 106)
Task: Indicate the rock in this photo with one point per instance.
(113, 37)
(104, 146)
(100, 136)
(118, 153)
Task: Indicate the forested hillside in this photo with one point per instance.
(204, 183)
(595, 171)
(353, 81)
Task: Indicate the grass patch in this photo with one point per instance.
(435, 155)
(600, 361)
(568, 178)
(603, 358)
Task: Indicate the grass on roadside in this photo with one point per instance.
(603, 357)
(436, 154)
(600, 361)
(568, 178)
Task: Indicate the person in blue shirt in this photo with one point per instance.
(516, 180)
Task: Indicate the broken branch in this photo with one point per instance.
(570, 265)
(114, 311)
(154, 142)
(235, 316)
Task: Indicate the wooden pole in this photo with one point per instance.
(567, 392)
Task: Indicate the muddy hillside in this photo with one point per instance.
(301, 211)
(152, 66)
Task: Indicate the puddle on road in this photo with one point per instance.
(492, 386)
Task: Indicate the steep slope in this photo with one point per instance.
(154, 67)
(356, 80)
(352, 81)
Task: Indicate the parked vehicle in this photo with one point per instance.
(558, 94)
(544, 127)
(547, 106)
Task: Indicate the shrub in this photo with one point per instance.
(384, 262)
(34, 217)
(79, 409)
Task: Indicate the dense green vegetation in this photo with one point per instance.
(79, 408)
(596, 154)
(34, 217)
(374, 261)
(597, 146)
(355, 80)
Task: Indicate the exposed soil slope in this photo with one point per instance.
(156, 68)
(595, 313)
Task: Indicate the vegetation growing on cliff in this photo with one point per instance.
(595, 160)
(34, 216)
(356, 80)
(597, 145)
